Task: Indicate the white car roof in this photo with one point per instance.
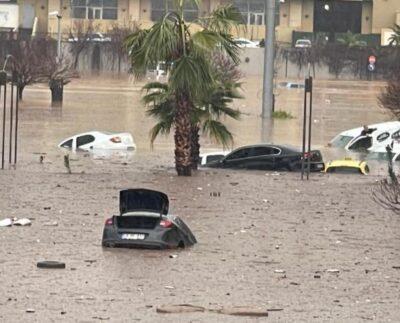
(388, 126)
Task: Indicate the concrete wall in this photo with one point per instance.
(384, 14)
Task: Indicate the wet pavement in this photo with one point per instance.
(321, 250)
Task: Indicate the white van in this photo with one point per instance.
(382, 136)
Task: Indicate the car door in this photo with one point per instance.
(85, 142)
(362, 143)
(263, 157)
(237, 159)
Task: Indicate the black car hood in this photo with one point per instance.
(139, 199)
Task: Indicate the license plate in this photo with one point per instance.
(133, 236)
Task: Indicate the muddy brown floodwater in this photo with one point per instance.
(320, 250)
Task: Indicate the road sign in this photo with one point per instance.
(371, 67)
(372, 59)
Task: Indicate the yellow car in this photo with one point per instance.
(347, 165)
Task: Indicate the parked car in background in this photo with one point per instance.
(99, 140)
(268, 157)
(144, 222)
(290, 85)
(93, 37)
(246, 43)
(382, 134)
(303, 43)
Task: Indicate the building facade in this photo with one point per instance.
(357, 16)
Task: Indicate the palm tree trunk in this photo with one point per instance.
(195, 145)
(182, 137)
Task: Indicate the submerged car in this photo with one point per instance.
(269, 157)
(99, 140)
(303, 43)
(347, 165)
(245, 43)
(144, 222)
(211, 157)
(380, 136)
(382, 154)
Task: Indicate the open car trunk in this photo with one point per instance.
(137, 222)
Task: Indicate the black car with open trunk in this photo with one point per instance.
(144, 222)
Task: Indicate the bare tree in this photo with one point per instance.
(79, 39)
(388, 192)
(389, 99)
(118, 36)
(56, 71)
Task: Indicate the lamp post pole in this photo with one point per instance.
(269, 52)
(59, 37)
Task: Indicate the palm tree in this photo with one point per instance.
(188, 53)
(205, 116)
(394, 39)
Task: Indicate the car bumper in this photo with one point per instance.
(143, 244)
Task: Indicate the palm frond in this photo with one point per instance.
(191, 75)
(204, 41)
(218, 131)
(155, 86)
(223, 19)
(162, 128)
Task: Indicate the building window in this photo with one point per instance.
(94, 9)
(253, 11)
(160, 7)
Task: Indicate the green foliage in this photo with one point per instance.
(351, 40)
(394, 39)
(281, 114)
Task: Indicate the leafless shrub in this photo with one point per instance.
(387, 194)
(225, 69)
(389, 99)
(117, 47)
(79, 38)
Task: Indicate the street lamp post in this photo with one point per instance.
(269, 52)
(57, 14)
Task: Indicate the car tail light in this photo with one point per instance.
(116, 140)
(165, 223)
(109, 221)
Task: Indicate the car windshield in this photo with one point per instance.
(341, 141)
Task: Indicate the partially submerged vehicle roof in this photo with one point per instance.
(140, 199)
(282, 147)
(347, 165)
(380, 126)
(346, 162)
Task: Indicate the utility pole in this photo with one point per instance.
(269, 52)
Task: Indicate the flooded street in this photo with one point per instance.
(114, 105)
(320, 250)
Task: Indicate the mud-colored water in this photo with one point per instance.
(114, 104)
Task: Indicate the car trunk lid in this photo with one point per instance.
(133, 200)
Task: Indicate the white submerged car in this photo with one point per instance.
(99, 140)
(379, 136)
(212, 156)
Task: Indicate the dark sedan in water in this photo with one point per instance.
(144, 222)
(269, 157)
